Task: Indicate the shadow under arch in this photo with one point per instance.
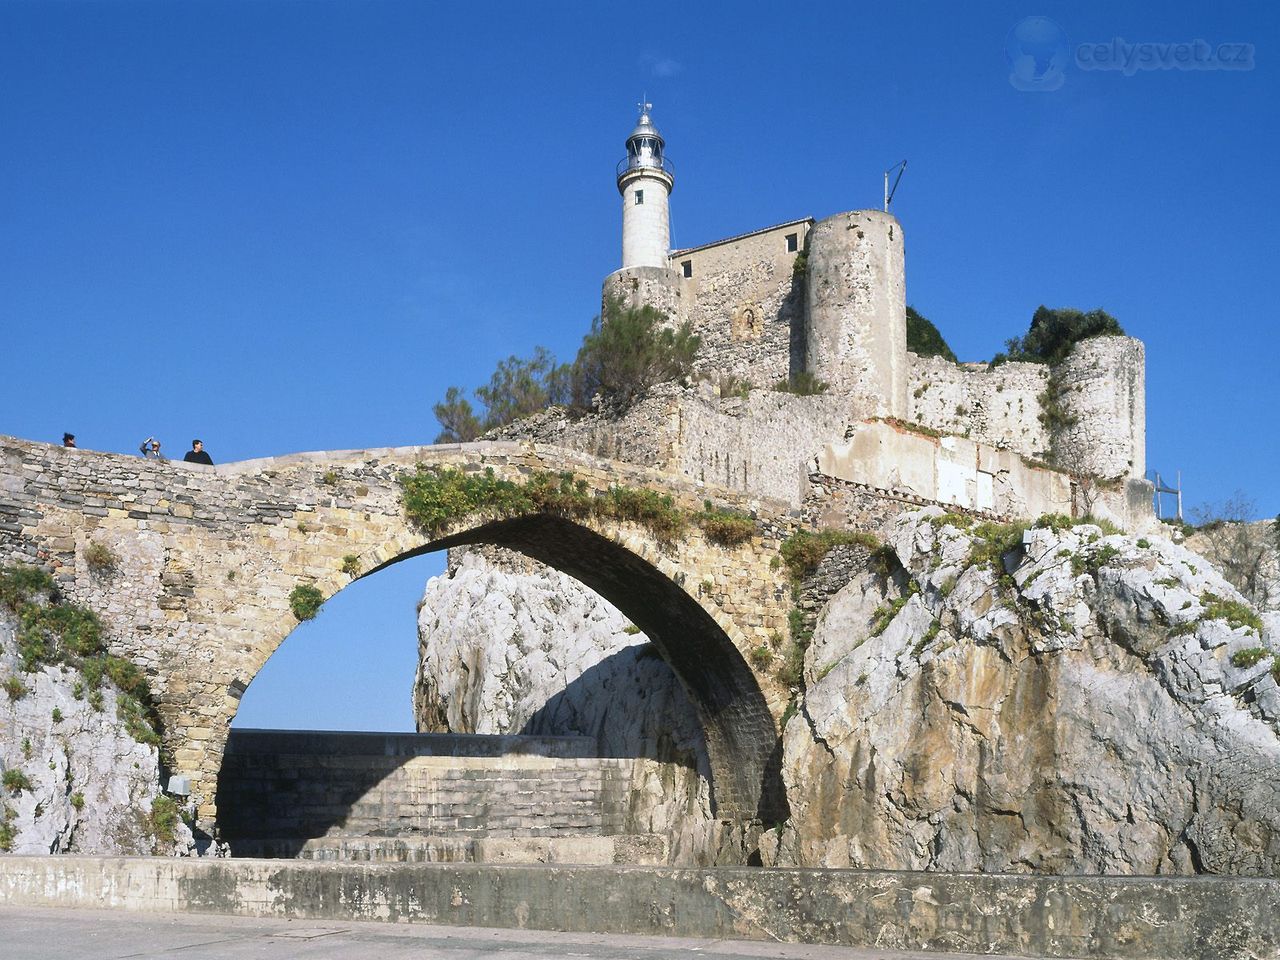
(742, 740)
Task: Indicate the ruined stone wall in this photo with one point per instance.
(743, 301)
(648, 432)
(1102, 387)
(765, 443)
(657, 287)
(954, 471)
(999, 406)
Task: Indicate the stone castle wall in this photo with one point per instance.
(743, 300)
(999, 406)
(762, 445)
(1101, 387)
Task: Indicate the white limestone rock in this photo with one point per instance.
(92, 784)
(1078, 714)
(508, 646)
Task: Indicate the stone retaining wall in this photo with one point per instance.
(1122, 918)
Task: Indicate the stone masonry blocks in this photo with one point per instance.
(207, 558)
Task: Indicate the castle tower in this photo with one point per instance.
(856, 338)
(645, 179)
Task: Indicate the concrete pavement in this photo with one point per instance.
(46, 933)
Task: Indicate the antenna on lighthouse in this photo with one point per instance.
(888, 193)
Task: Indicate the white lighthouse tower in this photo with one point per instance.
(645, 179)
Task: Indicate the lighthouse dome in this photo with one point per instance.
(645, 129)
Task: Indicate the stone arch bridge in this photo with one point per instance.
(206, 558)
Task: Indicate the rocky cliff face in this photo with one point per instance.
(1083, 704)
(75, 780)
(507, 645)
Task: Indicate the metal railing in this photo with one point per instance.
(629, 163)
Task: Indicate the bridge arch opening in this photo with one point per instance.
(740, 735)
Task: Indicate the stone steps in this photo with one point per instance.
(404, 797)
(649, 849)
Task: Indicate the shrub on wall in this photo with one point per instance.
(802, 384)
(305, 601)
(1053, 332)
(100, 558)
(726, 527)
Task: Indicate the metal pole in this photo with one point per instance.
(1179, 496)
(1159, 505)
(886, 191)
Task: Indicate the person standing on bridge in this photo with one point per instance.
(151, 449)
(197, 454)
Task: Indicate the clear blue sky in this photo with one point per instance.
(288, 226)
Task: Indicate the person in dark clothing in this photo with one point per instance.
(68, 439)
(197, 454)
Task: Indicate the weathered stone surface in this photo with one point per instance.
(1056, 719)
(92, 784)
(1108, 918)
(508, 645)
(763, 444)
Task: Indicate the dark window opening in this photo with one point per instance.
(687, 267)
(639, 197)
(793, 242)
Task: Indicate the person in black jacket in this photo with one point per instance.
(197, 454)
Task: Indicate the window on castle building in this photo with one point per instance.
(793, 242)
(639, 197)
(687, 267)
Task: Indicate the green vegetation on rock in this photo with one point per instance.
(1053, 332)
(1234, 612)
(1249, 657)
(52, 631)
(8, 832)
(924, 340)
(993, 541)
(627, 351)
(434, 497)
(15, 781)
(804, 550)
(15, 688)
(164, 822)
